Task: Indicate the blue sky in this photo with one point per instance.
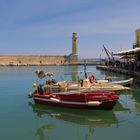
(45, 27)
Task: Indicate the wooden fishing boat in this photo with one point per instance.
(86, 84)
(78, 99)
(83, 84)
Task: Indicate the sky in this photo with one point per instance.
(45, 27)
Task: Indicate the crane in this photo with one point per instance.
(109, 55)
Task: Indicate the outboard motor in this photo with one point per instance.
(30, 94)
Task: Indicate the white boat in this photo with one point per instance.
(126, 82)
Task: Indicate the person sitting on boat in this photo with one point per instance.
(48, 82)
(40, 89)
(81, 82)
(91, 78)
(53, 81)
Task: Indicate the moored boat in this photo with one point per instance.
(97, 86)
(78, 99)
(127, 82)
(85, 83)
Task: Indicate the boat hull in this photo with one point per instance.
(127, 82)
(88, 100)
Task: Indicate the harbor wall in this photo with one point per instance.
(119, 70)
(21, 60)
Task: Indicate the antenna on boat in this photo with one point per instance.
(85, 69)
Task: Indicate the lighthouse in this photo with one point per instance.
(74, 55)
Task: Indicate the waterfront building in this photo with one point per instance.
(129, 62)
(135, 51)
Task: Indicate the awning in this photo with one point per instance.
(126, 56)
(128, 52)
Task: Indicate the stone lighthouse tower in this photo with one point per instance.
(74, 55)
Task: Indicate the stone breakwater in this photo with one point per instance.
(30, 60)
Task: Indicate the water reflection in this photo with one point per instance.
(72, 72)
(75, 73)
(44, 129)
(135, 95)
(88, 118)
(119, 108)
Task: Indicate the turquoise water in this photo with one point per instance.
(21, 119)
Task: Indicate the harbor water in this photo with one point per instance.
(21, 119)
